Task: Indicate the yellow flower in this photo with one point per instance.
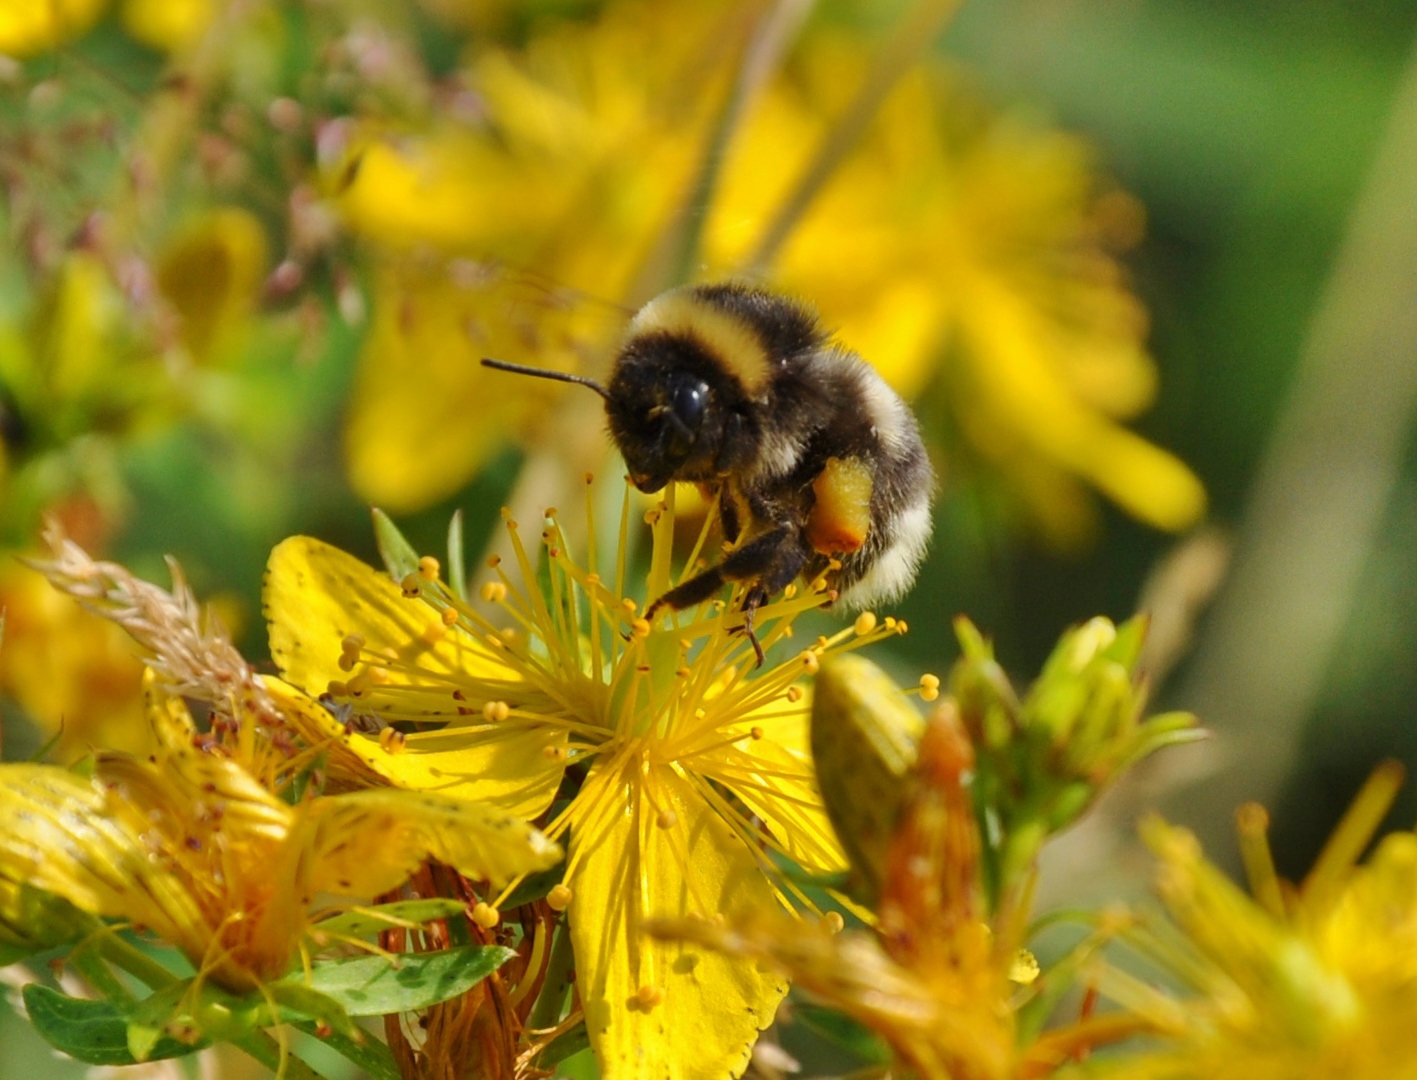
(1318, 981)
(211, 273)
(958, 239)
(202, 849)
(28, 27)
(693, 772)
(169, 25)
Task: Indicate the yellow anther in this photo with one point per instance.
(554, 753)
(378, 676)
(352, 643)
(337, 688)
(628, 605)
(683, 672)
(494, 712)
(929, 687)
(810, 662)
(755, 732)
(819, 584)
(494, 592)
(429, 568)
(485, 915)
(494, 561)
(794, 694)
(649, 996)
(833, 921)
(391, 740)
(789, 592)
(652, 516)
(901, 626)
(666, 819)
(359, 684)
(590, 478)
(560, 896)
(411, 585)
(450, 616)
(865, 623)
(592, 579)
(510, 636)
(639, 629)
(890, 622)
(347, 661)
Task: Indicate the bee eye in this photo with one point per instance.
(686, 407)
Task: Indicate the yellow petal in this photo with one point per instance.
(316, 595)
(666, 1010)
(775, 779)
(31, 26)
(368, 842)
(58, 834)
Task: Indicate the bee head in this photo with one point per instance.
(673, 414)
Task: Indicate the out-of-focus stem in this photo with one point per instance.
(1319, 495)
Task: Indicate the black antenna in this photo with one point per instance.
(543, 373)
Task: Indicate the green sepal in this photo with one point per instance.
(94, 1032)
(400, 559)
(535, 886)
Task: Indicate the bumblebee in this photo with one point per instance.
(817, 464)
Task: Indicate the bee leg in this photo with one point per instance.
(773, 559)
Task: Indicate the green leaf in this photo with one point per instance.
(368, 920)
(400, 559)
(842, 1031)
(151, 1018)
(563, 1046)
(534, 886)
(373, 986)
(94, 1032)
(308, 1003)
(374, 1057)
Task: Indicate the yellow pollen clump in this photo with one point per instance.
(496, 711)
(429, 568)
(810, 662)
(391, 740)
(494, 592)
(865, 623)
(794, 694)
(559, 898)
(755, 732)
(666, 819)
(833, 921)
(450, 616)
(929, 687)
(649, 996)
(639, 629)
(411, 586)
(485, 915)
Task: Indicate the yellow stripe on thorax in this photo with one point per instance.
(733, 344)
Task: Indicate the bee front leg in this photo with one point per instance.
(771, 560)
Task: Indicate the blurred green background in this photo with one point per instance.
(1249, 130)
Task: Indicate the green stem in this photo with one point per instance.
(551, 1001)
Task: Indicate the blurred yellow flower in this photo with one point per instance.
(591, 137)
(693, 772)
(211, 273)
(1318, 981)
(32, 26)
(75, 675)
(169, 25)
(977, 245)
